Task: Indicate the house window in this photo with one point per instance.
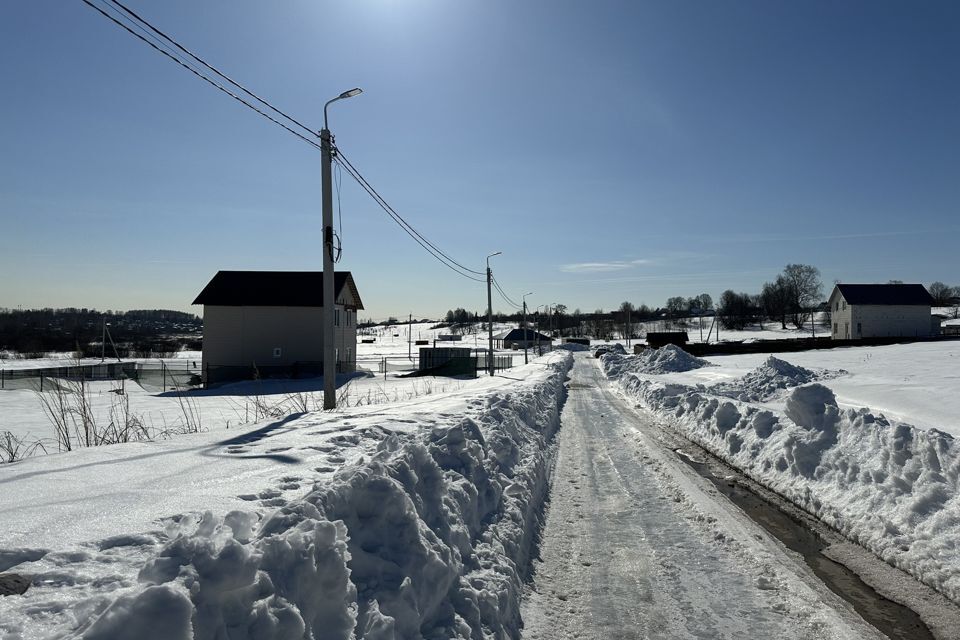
(277, 352)
(336, 317)
(836, 306)
(844, 305)
(859, 329)
(834, 328)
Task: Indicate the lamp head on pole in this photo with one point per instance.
(343, 96)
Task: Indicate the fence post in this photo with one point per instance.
(1, 379)
(163, 369)
(41, 381)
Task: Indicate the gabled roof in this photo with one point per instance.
(520, 334)
(893, 294)
(273, 289)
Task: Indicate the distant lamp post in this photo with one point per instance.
(490, 313)
(526, 335)
(329, 350)
(536, 338)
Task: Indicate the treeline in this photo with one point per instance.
(137, 333)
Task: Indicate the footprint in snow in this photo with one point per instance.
(337, 459)
(324, 469)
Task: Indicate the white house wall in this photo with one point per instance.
(878, 321)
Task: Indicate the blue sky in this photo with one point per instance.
(611, 150)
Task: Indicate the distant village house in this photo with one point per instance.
(271, 323)
(882, 311)
(519, 338)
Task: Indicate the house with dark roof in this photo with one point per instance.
(272, 321)
(881, 311)
(518, 338)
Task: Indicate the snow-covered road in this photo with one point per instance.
(636, 545)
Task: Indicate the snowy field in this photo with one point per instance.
(863, 438)
(433, 501)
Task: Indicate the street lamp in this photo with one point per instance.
(490, 313)
(526, 335)
(329, 351)
(537, 337)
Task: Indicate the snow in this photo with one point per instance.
(882, 482)
(670, 358)
(407, 518)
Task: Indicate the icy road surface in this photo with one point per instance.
(636, 545)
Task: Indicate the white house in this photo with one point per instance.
(271, 322)
(881, 311)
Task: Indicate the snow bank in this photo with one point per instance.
(769, 379)
(888, 486)
(668, 359)
(431, 537)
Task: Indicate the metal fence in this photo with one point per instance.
(51, 378)
(179, 375)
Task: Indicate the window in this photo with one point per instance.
(859, 329)
(277, 352)
(844, 305)
(336, 317)
(836, 306)
(834, 328)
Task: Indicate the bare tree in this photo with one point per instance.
(942, 294)
(805, 289)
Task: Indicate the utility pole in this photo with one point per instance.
(329, 348)
(410, 338)
(103, 340)
(490, 314)
(526, 330)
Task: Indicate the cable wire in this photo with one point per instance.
(197, 73)
(373, 192)
(503, 294)
(182, 48)
(403, 224)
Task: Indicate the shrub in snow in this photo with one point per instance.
(431, 537)
(891, 487)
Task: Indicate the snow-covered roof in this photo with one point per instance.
(893, 294)
(274, 289)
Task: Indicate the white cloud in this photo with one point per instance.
(595, 267)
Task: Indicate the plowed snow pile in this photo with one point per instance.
(889, 486)
(428, 535)
(668, 359)
(769, 379)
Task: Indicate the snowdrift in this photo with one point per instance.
(769, 379)
(888, 486)
(429, 537)
(668, 359)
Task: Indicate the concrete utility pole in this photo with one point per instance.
(490, 313)
(526, 330)
(329, 348)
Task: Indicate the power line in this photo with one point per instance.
(128, 17)
(373, 192)
(428, 246)
(182, 48)
(197, 73)
(503, 294)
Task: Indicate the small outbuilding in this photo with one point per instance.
(860, 311)
(271, 323)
